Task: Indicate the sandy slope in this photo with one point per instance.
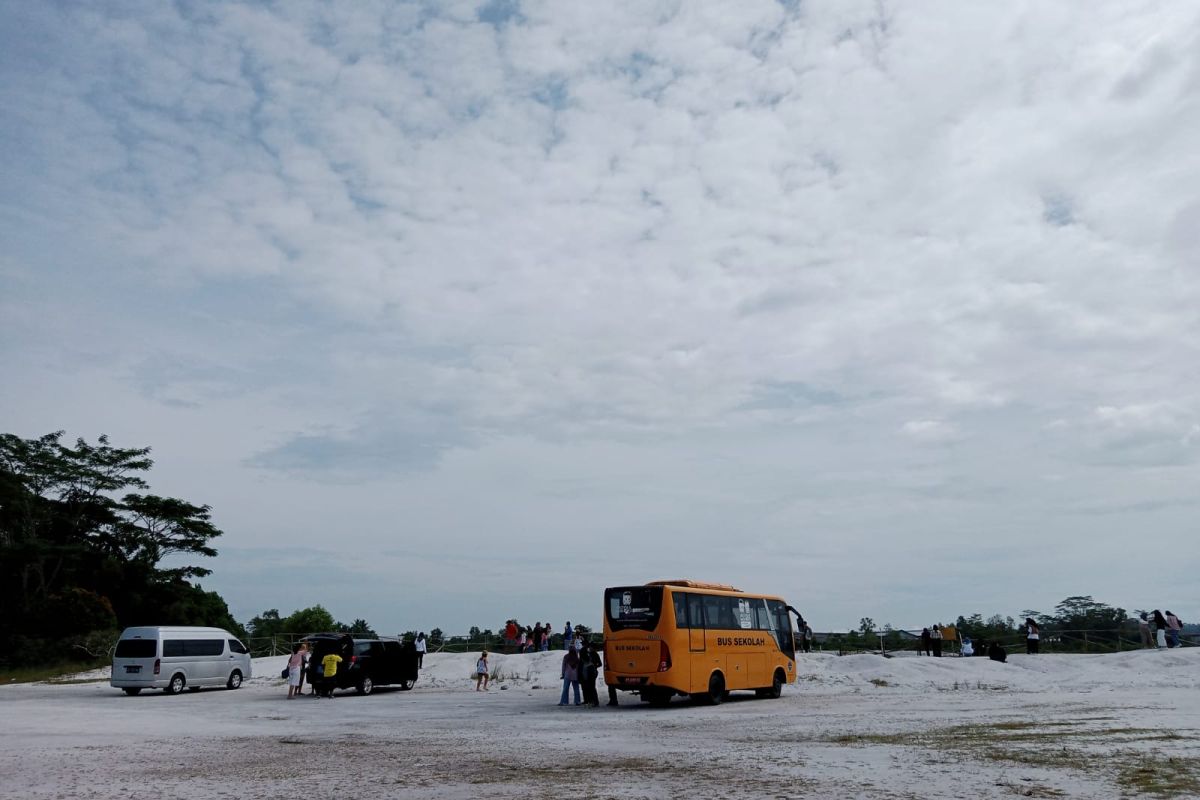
(858, 726)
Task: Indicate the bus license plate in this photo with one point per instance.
(133, 669)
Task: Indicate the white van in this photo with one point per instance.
(172, 658)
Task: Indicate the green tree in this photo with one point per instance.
(81, 545)
(435, 637)
(314, 619)
(268, 623)
(360, 628)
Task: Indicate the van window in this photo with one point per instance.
(137, 648)
(192, 647)
(237, 647)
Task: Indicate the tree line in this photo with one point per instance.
(1078, 623)
(82, 544)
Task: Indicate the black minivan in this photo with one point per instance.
(366, 663)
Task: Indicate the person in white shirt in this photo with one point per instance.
(1032, 634)
(421, 648)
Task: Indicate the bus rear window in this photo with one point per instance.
(633, 607)
(137, 648)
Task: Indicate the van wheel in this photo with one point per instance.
(132, 691)
(716, 689)
(235, 680)
(407, 684)
(176, 685)
(365, 685)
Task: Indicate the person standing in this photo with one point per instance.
(537, 637)
(329, 668)
(482, 674)
(1144, 631)
(807, 636)
(421, 646)
(1160, 629)
(936, 636)
(926, 642)
(568, 636)
(296, 669)
(570, 676)
(1033, 635)
(1174, 626)
(589, 670)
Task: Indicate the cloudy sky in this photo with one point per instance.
(457, 311)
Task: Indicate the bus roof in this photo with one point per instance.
(721, 587)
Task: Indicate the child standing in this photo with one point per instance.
(481, 672)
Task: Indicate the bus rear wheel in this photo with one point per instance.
(657, 698)
(716, 690)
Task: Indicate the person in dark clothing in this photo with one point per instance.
(926, 642)
(1160, 629)
(996, 652)
(936, 636)
(589, 670)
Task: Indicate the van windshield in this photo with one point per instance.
(137, 648)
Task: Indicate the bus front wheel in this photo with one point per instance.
(776, 687)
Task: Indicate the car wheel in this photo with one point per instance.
(177, 683)
(235, 680)
(132, 691)
(407, 684)
(365, 685)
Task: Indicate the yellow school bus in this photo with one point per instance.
(697, 639)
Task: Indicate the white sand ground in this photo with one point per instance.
(1093, 726)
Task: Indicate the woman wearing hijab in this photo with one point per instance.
(1160, 629)
(1032, 635)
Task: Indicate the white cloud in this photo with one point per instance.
(358, 230)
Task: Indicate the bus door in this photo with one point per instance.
(695, 623)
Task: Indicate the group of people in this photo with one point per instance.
(580, 668)
(323, 678)
(933, 638)
(536, 639)
(322, 675)
(931, 641)
(1159, 629)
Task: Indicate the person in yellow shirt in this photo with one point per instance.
(329, 666)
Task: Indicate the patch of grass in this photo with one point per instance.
(879, 682)
(1031, 789)
(1161, 776)
(62, 671)
(1071, 745)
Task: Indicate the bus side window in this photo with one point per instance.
(695, 611)
(681, 617)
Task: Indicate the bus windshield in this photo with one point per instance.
(633, 607)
